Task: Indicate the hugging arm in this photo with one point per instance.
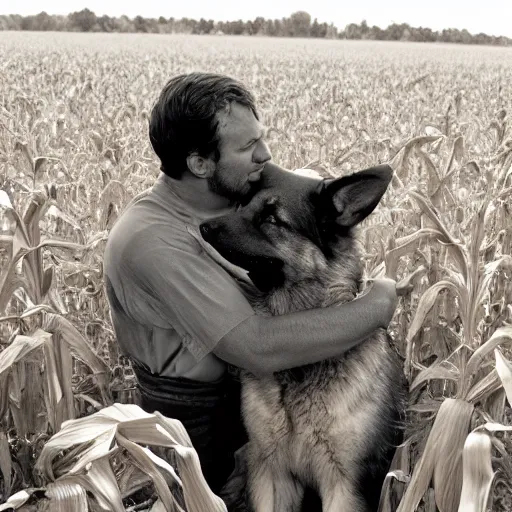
(264, 345)
(201, 301)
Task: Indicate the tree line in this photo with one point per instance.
(299, 24)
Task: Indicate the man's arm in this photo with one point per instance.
(264, 345)
(188, 291)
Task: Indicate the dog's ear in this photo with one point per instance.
(351, 199)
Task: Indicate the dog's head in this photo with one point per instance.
(294, 225)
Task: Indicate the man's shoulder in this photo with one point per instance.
(146, 230)
(148, 217)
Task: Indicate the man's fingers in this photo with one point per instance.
(406, 285)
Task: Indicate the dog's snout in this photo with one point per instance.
(209, 230)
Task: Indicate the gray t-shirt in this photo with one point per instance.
(170, 302)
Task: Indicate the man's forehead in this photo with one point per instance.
(238, 121)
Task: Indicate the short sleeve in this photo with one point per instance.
(188, 291)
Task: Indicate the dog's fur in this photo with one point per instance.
(331, 426)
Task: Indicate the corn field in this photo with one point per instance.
(74, 151)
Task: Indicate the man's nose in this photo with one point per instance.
(209, 230)
(262, 155)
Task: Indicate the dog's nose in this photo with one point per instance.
(209, 230)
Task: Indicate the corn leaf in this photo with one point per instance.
(145, 462)
(448, 468)
(454, 246)
(436, 371)
(501, 335)
(477, 473)
(441, 459)
(387, 498)
(504, 370)
(483, 388)
(9, 281)
(405, 246)
(418, 141)
(482, 281)
(53, 389)
(18, 349)
(18, 499)
(123, 426)
(63, 329)
(66, 496)
(457, 154)
(5, 464)
(495, 427)
(98, 429)
(100, 481)
(102, 446)
(104, 485)
(426, 303)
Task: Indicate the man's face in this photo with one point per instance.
(243, 153)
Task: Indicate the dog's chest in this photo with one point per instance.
(321, 418)
(318, 394)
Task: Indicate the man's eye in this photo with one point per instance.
(253, 143)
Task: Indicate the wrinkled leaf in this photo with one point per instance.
(441, 459)
(454, 246)
(18, 499)
(426, 303)
(484, 388)
(67, 497)
(5, 464)
(406, 245)
(504, 370)
(435, 372)
(501, 335)
(477, 473)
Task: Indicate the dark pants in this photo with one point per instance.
(209, 411)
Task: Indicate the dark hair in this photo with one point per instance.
(183, 119)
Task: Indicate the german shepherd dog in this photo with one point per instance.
(331, 426)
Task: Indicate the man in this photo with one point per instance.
(179, 315)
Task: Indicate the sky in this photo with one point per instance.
(493, 17)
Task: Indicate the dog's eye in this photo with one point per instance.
(271, 219)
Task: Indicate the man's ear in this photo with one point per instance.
(354, 197)
(200, 166)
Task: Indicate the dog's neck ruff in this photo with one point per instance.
(338, 283)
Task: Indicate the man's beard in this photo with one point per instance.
(221, 187)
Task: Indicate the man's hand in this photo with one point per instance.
(406, 285)
(383, 293)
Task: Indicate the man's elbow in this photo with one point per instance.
(242, 347)
(247, 358)
(261, 367)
